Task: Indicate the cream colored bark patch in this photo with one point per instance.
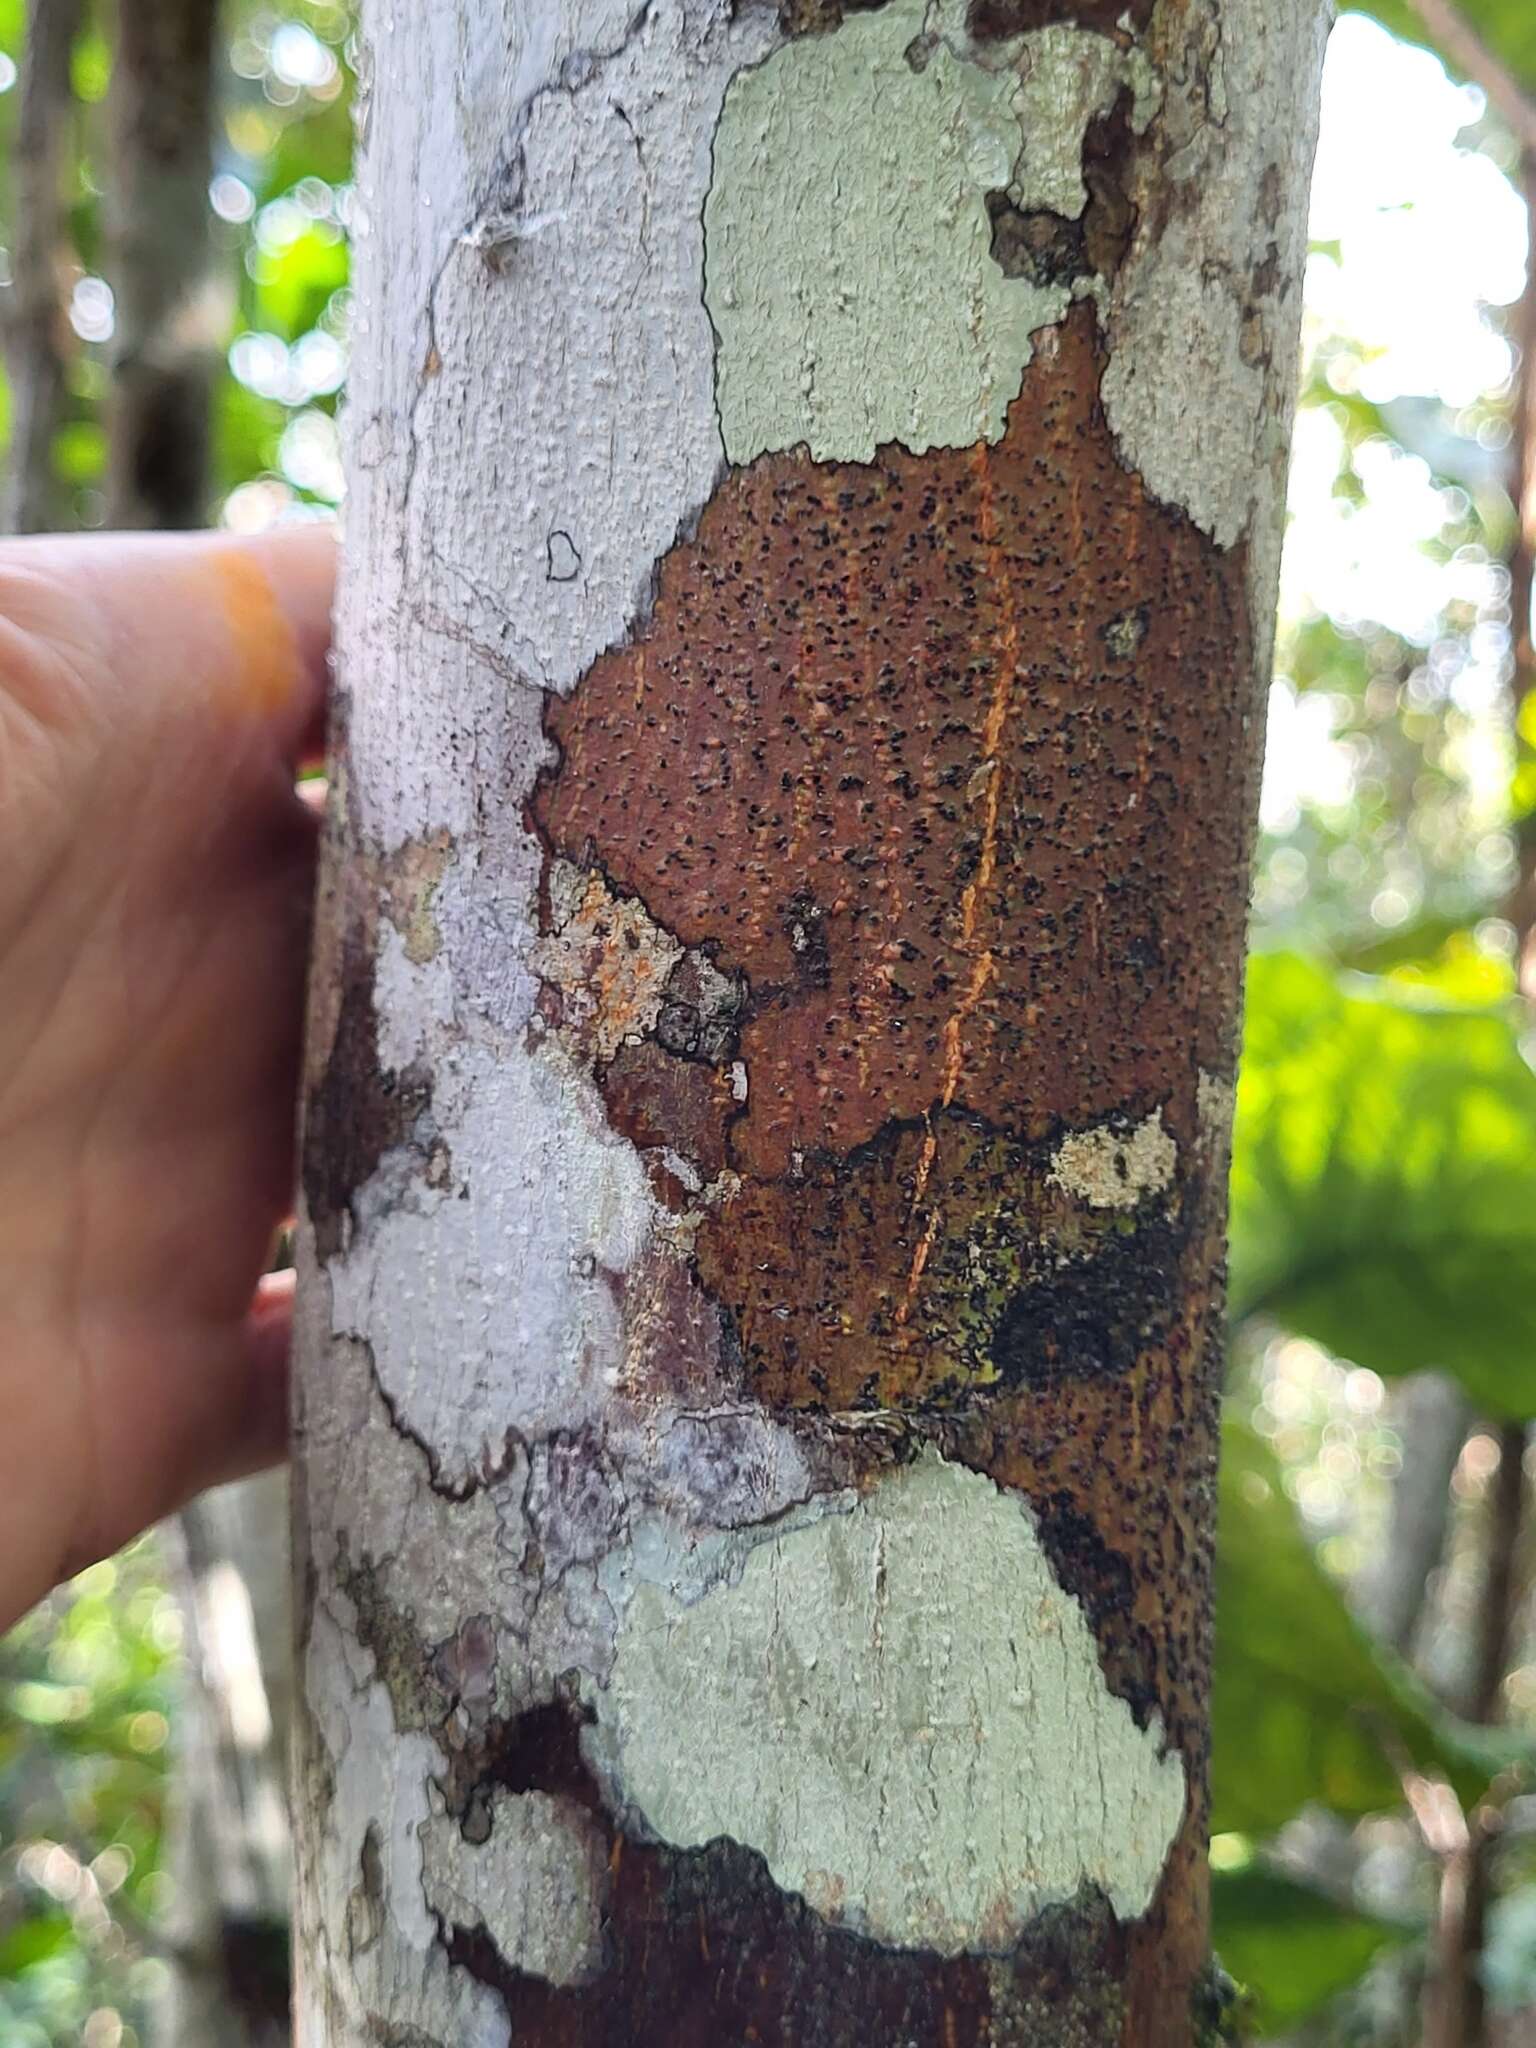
(488, 1300)
(609, 960)
(901, 1709)
(535, 1884)
(848, 264)
(1111, 1168)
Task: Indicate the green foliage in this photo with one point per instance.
(86, 1693)
(1406, 825)
(295, 284)
(247, 429)
(1307, 1708)
(1289, 1947)
(1384, 1185)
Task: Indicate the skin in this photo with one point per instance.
(157, 696)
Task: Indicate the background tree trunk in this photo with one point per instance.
(815, 490)
(36, 326)
(1431, 1416)
(167, 320)
(228, 1844)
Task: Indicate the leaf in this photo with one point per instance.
(1384, 1178)
(1507, 28)
(246, 431)
(1290, 1948)
(295, 285)
(34, 1941)
(1306, 1707)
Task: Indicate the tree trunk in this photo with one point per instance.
(35, 325)
(168, 316)
(816, 478)
(1431, 1417)
(229, 1848)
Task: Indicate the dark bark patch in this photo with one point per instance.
(1047, 248)
(1109, 218)
(1099, 1314)
(702, 1947)
(988, 1273)
(992, 21)
(818, 17)
(359, 1110)
(884, 691)
(670, 1101)
(1102, 1578)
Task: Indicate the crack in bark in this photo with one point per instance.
(445, 1489)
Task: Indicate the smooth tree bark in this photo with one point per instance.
(168, 313)
(816, 478)
(36, 328)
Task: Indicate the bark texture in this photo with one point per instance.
(36, 330)
(814, 506)
(159, 218)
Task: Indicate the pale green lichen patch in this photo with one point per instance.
(1110, 1167)
(903, 1711)
(1069, 75)
(848, 271)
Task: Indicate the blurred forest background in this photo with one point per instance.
(1374, 1862)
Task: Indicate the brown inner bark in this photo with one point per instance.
(949, 761)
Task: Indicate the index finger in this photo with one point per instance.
(237, 627)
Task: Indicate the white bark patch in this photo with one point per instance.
(850, 274)
(488, 1302)
(392, 1966)
(1110, 1167)
(409, 996)
(1205, 314)
(901, 1709)
(590, 427)
(536, 1884)
(1215, 1100)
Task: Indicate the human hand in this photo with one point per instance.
(156, 866)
